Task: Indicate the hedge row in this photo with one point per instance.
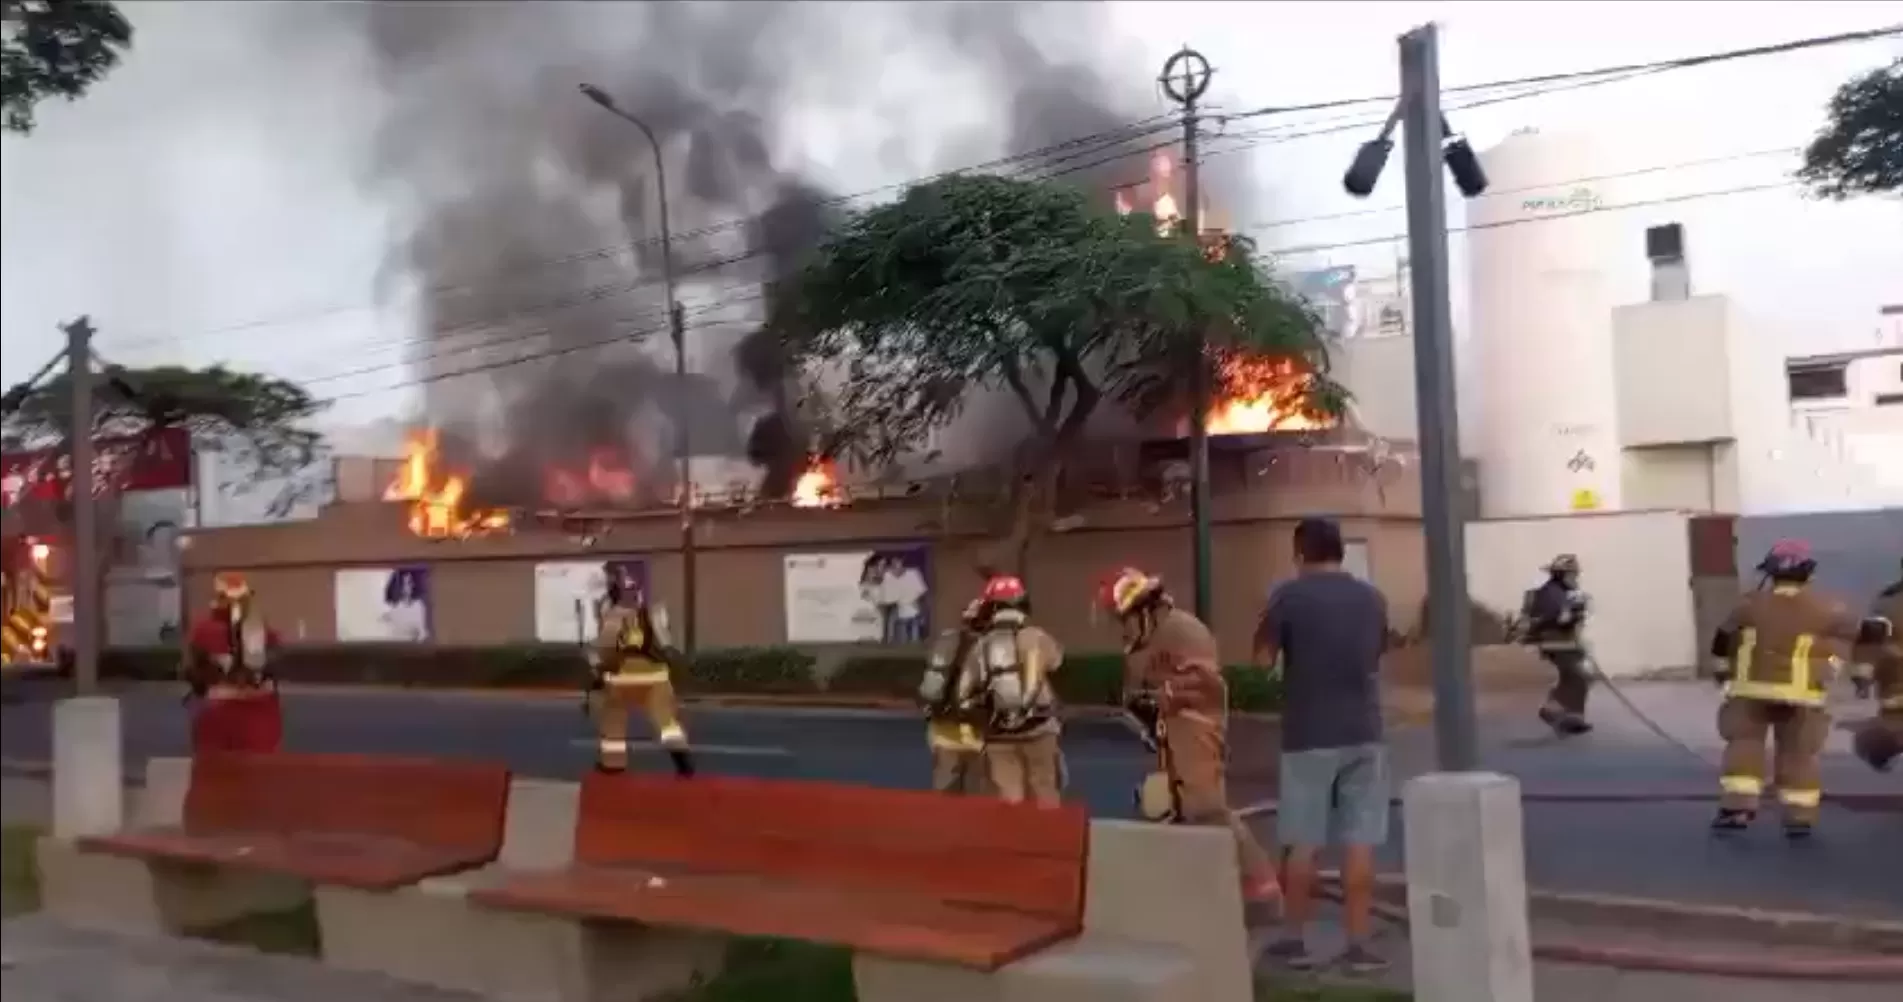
(1085, 680)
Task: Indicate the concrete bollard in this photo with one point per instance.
(88, 767)
(1466, 888)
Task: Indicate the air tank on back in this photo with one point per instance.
(1540, 307)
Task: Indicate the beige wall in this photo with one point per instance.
(483, 589)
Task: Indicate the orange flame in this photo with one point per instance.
(818, 487)
(1262, 395)
(436, 501)
(609, 477)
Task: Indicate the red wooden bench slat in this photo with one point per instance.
(371, 865)
(354, 820)
(964, 850)
(460, 805)
(894, 925)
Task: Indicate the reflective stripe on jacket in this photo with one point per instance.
(1784, 641)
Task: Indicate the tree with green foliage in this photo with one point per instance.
(1860, 149)
(976, 283)
(220, 407)
(55, 48)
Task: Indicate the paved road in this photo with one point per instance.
(1648, 849)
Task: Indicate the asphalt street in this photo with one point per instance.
(1632, 847)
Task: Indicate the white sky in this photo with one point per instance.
(186, 196)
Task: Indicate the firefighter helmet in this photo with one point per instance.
(1565, 563)
(1789, 560)
(229, 586)
(1004, 591)
(1129, 590)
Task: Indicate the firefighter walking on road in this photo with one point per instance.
(1553, 617)
(954, 721)
(1773, 658)
(1007, 670)
(227, 667)
(632, 658)
(1175, 691)
(1879, 740)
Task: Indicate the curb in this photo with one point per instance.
(1863, 967)
(1871, 949)
(1880, 803)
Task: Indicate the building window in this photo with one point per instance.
(1818, 382)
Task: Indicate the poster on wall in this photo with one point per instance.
(877, 596)
(568, 596)
(385, 604)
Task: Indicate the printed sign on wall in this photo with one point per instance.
(383, 604)
(568, 596)
(880, 596)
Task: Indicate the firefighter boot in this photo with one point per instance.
(1731, 819)
(683, 762)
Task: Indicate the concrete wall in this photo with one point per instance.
(1857, 551)
(483, 589)
(1636, 565)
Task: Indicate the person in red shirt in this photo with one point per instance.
(226, 664)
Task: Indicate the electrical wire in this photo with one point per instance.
(1628, 69)
(1141, 129)
(1125, 133)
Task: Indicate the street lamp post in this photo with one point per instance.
(677, 330)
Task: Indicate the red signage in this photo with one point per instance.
(156, 461)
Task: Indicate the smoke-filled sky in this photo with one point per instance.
(273, 184)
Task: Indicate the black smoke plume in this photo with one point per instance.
(526, 213)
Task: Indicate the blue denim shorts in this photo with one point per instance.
(1334, 796)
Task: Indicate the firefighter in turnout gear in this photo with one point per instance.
(1007, 671)
(1773, 660)
(1879, 740)
(1175, 693)
(227, 668)
(632, 658)
(954, 727)
(1552, 617)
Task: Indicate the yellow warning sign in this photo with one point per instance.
(1585, 499)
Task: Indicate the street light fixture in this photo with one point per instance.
(677, 329)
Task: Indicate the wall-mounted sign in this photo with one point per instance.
(1577, 200)
(1585, 499)
(860, 596)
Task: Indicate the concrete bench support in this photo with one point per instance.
(430, 934)
(1162, 923)
(117, 894)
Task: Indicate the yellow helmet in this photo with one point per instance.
(1129, 590)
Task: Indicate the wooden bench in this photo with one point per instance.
(970, 882)
(292, 821)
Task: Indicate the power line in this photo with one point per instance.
(1125, 133)
(1108, 139)
(637, 335)
(1628, 70)
(1504, 223)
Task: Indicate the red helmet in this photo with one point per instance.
(1789, 558)
(1128, 590)
(1003, 590)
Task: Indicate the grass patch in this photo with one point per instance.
(19, 877)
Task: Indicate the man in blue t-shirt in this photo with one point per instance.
(1329, 629)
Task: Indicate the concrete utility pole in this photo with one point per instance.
(677, 330)
(88, 612)
(1448, 607)
(1185, 79)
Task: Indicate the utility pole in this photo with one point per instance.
(1185, 79)
(88, 612)
(677, 331)
(1424, 129)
